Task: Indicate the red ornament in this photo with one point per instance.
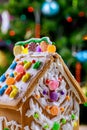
(12, 33)
(81, 14)
(30, 9)
(69, 19)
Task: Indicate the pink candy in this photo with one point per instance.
(20, 69)
(53, 84)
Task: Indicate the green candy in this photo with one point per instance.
(56, 126)
(36, 115)
(73, 116)
(63, 121)
(46, 126)
(36, 65)
(6, 128)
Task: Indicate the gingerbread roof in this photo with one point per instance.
(21, 78)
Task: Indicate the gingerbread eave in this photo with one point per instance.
(18, 103)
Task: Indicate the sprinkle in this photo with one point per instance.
(14, 93)
(54, 110)
(63, 121)
(62, 109)
(8, 90)
(33, 61)
(68, 97)
(45, 92)
(61, 92)
(47, 107)
(20, 69)
(46, 126)
(53, 84)
(18, 76)
(15, 73)
(2, 78)
(47, 81)
(21, 63)
(56, 126)
(37, 96)
(6, 129)
(36, 65)
(3, 89)
(27, 65)
(13, 65)
(73, 116)
(11, 75)
(24, 62)
(10, 81)
(26, 77)
(53, 96)
(36, 115)
(51, 48)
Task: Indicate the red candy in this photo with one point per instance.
(53, 84)
(20, 69)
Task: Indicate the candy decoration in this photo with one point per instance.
(74, 123)
(43, 46)
(11, 75)
(27, 65)
(26, 77)
(36, 65)
(6, 129)
(46, 126)
(33, 61)
(45, 92)
(36, 115)
(18, 50)
(62, 109)
(18, 76)
(51, 48)
(73, 116)
(10, 81)
(2, 78)
(21, 63)
(61, 92)
(25, 51)
(37, 96)
(13, 65)
(47, 107)
(20, 69)
(14, 93)
(53, 84)
(38, 49)
(8, 90)
(63, 121)
(56, 126)
(67, 97)
(53, 96)
(32, 47)
(54, 110)
(3, 89)
(24, 62)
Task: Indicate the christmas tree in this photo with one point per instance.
(64, 21)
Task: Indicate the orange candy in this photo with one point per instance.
(8, 90)
(43, 46)
(10, 81)
(54, 110)
(51, 48)
(18, 76)
(62, 109)
(47, 107)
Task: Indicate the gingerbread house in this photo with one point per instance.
(38, 92)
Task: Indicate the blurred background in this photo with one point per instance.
(64, 21)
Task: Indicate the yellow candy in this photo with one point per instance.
(27, 65)
(14, 87)
(25, 51)
(26, 77)
(74, 124)
(13, 93)
(51, 48)
(18, 49)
